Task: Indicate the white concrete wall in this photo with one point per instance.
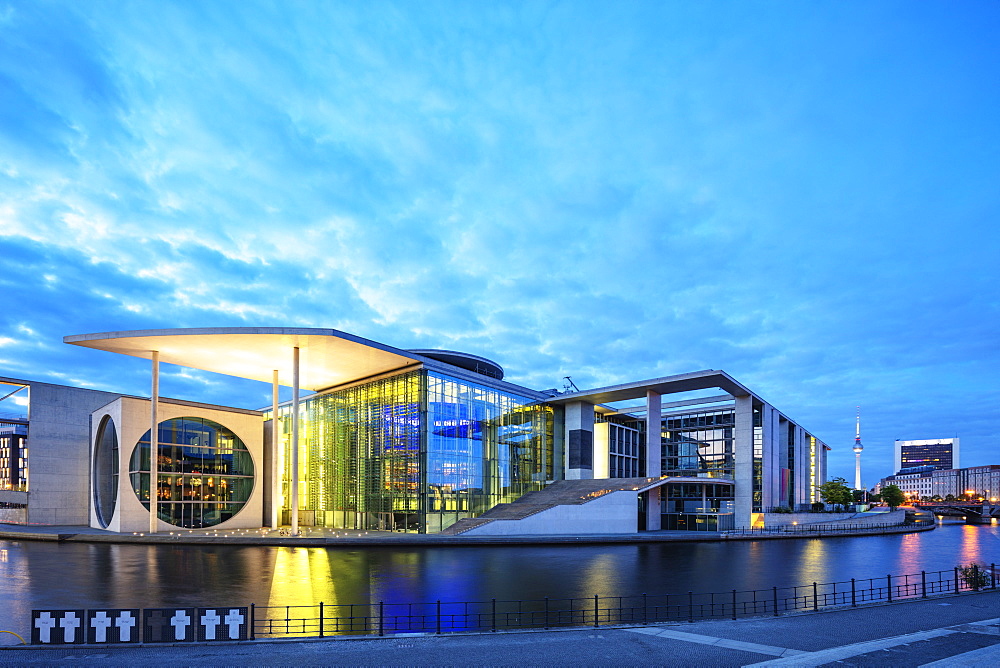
(743, 453)
(133, 422)
(803, 519)
(614, 513)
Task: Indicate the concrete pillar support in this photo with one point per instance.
(295, 442)
(579, 440)
(654, 447)
(275, 441)
(154, 444)
(743, 453)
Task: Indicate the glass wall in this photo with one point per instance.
(414, 452)
(697, 506)
(105, 481)
(205, 472)
(699, 444)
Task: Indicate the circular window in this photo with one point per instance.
(106, 471)
(205, 472)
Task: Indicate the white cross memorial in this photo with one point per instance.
(180, 622)
(210, 620)
(100, 623)
(125, 622)
(44, 624)
(233, 620)
(70, 623)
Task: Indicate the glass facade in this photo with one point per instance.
(699, 444)
(697, 506)
(415, 452)
(206, 473)
(105, 481)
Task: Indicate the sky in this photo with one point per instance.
(803, 194)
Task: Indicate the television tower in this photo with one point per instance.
(857, 453)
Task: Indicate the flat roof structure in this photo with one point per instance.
(685, 382)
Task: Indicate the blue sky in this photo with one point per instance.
(804, 194)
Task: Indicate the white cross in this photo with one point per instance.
(179, 621)
(70, 624)
(210, 620)
(125, 622)
(234, 619)
(100, 623)
(44, 624)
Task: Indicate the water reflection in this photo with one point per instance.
(37, 575)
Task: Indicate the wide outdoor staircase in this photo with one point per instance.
(559, 493)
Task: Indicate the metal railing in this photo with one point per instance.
(438, 617)
(826, 527)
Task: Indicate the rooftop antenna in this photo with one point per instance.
(569, 384)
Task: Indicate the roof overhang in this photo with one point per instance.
(686, 382)
(327, 357)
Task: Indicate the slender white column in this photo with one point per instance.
(275, 441)
(154, 444)
(295, 442)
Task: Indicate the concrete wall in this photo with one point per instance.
(801, 519)
(132, 418)
(59, 452)
(612, 513)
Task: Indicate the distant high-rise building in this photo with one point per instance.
(941, 453)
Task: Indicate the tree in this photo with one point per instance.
(949, 498)
(893, 497)
(836, 492)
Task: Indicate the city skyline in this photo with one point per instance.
(800, 195)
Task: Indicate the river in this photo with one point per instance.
(50, 575)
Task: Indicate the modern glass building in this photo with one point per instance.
(377, 438)
(941, 453)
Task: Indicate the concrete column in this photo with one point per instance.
(743, 454)
(154, 444)
(579, 440)
(275, 445)
(295, 442)
(654, 452)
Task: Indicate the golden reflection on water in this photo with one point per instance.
(909, 553)
(301, 577)
(599, 576)
(970, 549)
(812, 561)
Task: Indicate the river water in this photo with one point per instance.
(48, 575)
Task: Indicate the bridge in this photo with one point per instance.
(972, 511)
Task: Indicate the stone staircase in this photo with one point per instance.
(561, 492)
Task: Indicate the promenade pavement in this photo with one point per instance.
(962, 630)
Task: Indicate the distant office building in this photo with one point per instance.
(941, 453)
(926, 482)
(13, 454)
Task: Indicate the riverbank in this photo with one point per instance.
(940, 631)
(320, 537)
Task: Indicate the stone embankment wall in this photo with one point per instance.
(832, 519)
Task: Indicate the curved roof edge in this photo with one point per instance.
(466, 361)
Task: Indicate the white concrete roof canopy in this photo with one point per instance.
(328, 357)
(685, 382)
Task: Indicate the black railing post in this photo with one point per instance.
(956, 579)
(645, 609)
(690, 607)
(888, 588)
(815, 598)
(253, 620)
(546, 627)
(854, 600)
(975, 576)
(775, 601)
(734, 604)
(597, 611)
(439, 617)
(923, 584)
(321, 619)
(493, 623)
(381, 618)
(993, 576)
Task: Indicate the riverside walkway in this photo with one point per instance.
(321, 537)
(958, 630)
